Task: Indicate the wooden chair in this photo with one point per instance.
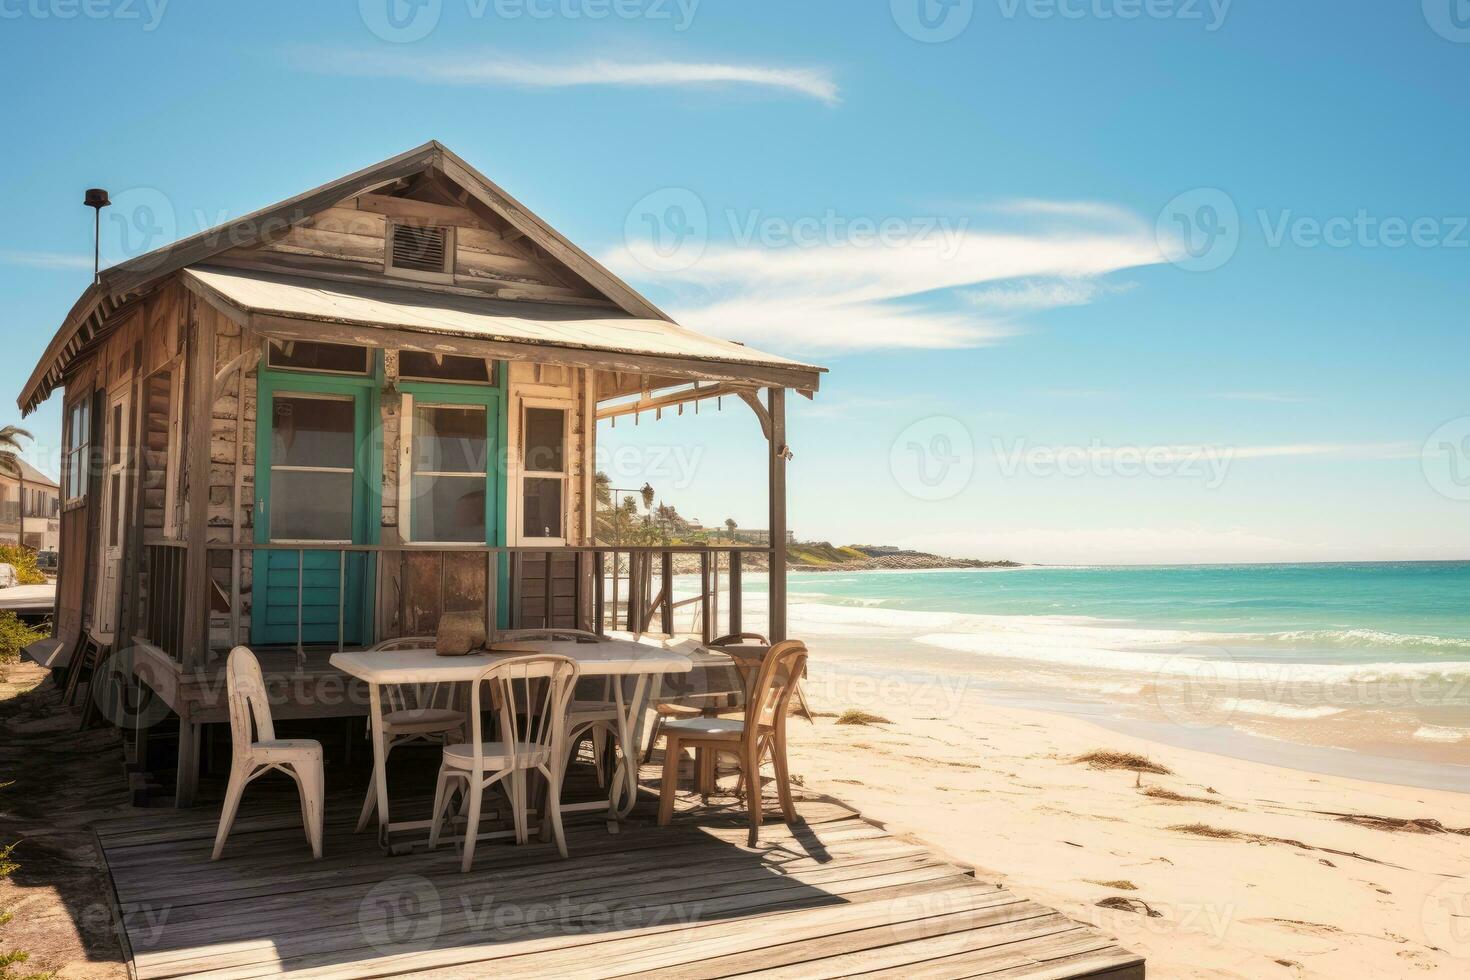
(749, 739)
(529, 696)
(257, 752)
(414, 713)
(710, 708)
(593, 718)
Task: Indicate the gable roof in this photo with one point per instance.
(120, 285)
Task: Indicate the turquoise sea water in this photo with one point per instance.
(1355, 657)
(1332, 613)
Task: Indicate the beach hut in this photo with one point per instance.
(330, 421)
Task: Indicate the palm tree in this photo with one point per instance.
(730, 527)
(10, 437)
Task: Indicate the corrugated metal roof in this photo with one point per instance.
(540, 325)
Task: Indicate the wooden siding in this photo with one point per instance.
(350, 240)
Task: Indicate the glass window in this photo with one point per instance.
(312, 432)
(313, 446)
(303, 355)
(543, 480)
(78, 445)
(541, 508)
(544, 440)
(450, 473)
(311, 505)
(447, 367)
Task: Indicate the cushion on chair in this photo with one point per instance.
(707, 727)
(422, 721)
(462, 756)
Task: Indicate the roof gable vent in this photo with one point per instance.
(420, 248)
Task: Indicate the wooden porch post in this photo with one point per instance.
(776, 405)
(195, 652)
(194, 644)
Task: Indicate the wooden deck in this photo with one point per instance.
(834, 896)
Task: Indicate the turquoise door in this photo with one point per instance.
(317, 473)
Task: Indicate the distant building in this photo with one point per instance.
(760, 536)
(40, 498)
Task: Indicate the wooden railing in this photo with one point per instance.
(162, 622)
(346, 595)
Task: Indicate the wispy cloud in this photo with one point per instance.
(1100, 211)
(891, 291)
(45, 260)
(1034, 295)
(489, 68)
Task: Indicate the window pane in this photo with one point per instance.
(449, 508)
(312, 432)
(115, 506)
(117, 434)
(311, 506)
(305, 356)
(449, 439)
(543, 439)
(416, 364)
(541, 508)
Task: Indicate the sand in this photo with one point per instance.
(1255, 872)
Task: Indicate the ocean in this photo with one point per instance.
(1356, 668)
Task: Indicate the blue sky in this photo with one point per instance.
(1097, 280)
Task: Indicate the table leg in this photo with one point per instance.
(380, 768)
(627, 776)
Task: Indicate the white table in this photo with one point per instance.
(645, 662)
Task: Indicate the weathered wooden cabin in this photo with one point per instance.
(327, 422)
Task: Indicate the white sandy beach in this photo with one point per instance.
(1302, 879)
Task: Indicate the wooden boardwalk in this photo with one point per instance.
(834, 896)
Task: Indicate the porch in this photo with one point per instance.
(833, 895)
(692, 593)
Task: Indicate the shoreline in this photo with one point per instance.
(1250, 869)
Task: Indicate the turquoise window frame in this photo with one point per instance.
(366, 392)
(493, 398)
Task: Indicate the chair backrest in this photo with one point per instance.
(248, 701)
(733, 639)
(402, 697)
(776, 682)
(530, 696)
(545, 633)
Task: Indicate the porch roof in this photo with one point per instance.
(302, 308)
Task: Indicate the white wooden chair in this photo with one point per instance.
(256, 751)
(529, 696)
(595, 718)
(414, 713)
(750, 739)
